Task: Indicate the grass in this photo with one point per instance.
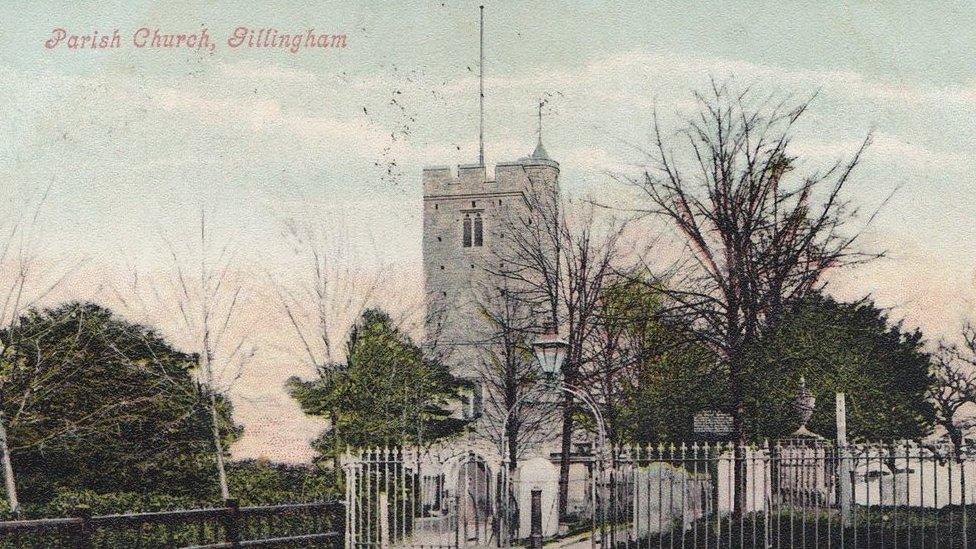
(869, 527)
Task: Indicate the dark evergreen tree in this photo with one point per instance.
(100, 404)
(387, 392)
(841, 347)
(838, 347)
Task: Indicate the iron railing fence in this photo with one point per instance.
(796, 493)
(801, 493)
(318, 524)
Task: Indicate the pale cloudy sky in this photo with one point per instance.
(133, 141)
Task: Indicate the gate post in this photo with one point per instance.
(349, 507)
(843, 470)
(384, 512)
(457, 519)
(85, 532)
(535, 535)
(232, 524)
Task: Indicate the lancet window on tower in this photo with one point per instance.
(478, 230)
(472, 230)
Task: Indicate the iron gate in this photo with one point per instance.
(398, 497)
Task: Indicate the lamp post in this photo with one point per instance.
(550, 350)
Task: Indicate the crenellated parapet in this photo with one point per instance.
(471, 179)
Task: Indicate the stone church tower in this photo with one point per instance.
(464, 221)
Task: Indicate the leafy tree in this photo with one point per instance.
(100, 404)
(849, 347)
(652, 374)
(386, 393)
(841, 347)
(669, 389)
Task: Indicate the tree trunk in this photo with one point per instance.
(218, 447)
(566, 449)
(8, 469)
(512, 435)
(965, 515)
(206, 364)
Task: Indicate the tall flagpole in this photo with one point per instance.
(481, 89)
(541, 103)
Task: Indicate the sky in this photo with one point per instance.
(130, 144)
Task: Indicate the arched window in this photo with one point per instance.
(479, 230)
(466, 231)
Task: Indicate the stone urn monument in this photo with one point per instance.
(804, 404)
(803, 460)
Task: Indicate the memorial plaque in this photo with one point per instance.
(713, 423)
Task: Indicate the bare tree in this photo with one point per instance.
(758, 236)
(200, 303)
(557, 259)
(954, 372)
(952, 393)
(25, 283)
(516, 410)
(324, 305)
(758, 239)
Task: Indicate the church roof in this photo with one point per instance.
(540, 152)
(538, 157)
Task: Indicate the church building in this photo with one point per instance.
(464, 226)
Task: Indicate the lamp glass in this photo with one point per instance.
(550, 351)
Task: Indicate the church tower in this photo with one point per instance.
(465, 220)
(464, 227)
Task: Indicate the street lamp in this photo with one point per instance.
(550, 351)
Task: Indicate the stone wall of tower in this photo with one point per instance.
(455, 275)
